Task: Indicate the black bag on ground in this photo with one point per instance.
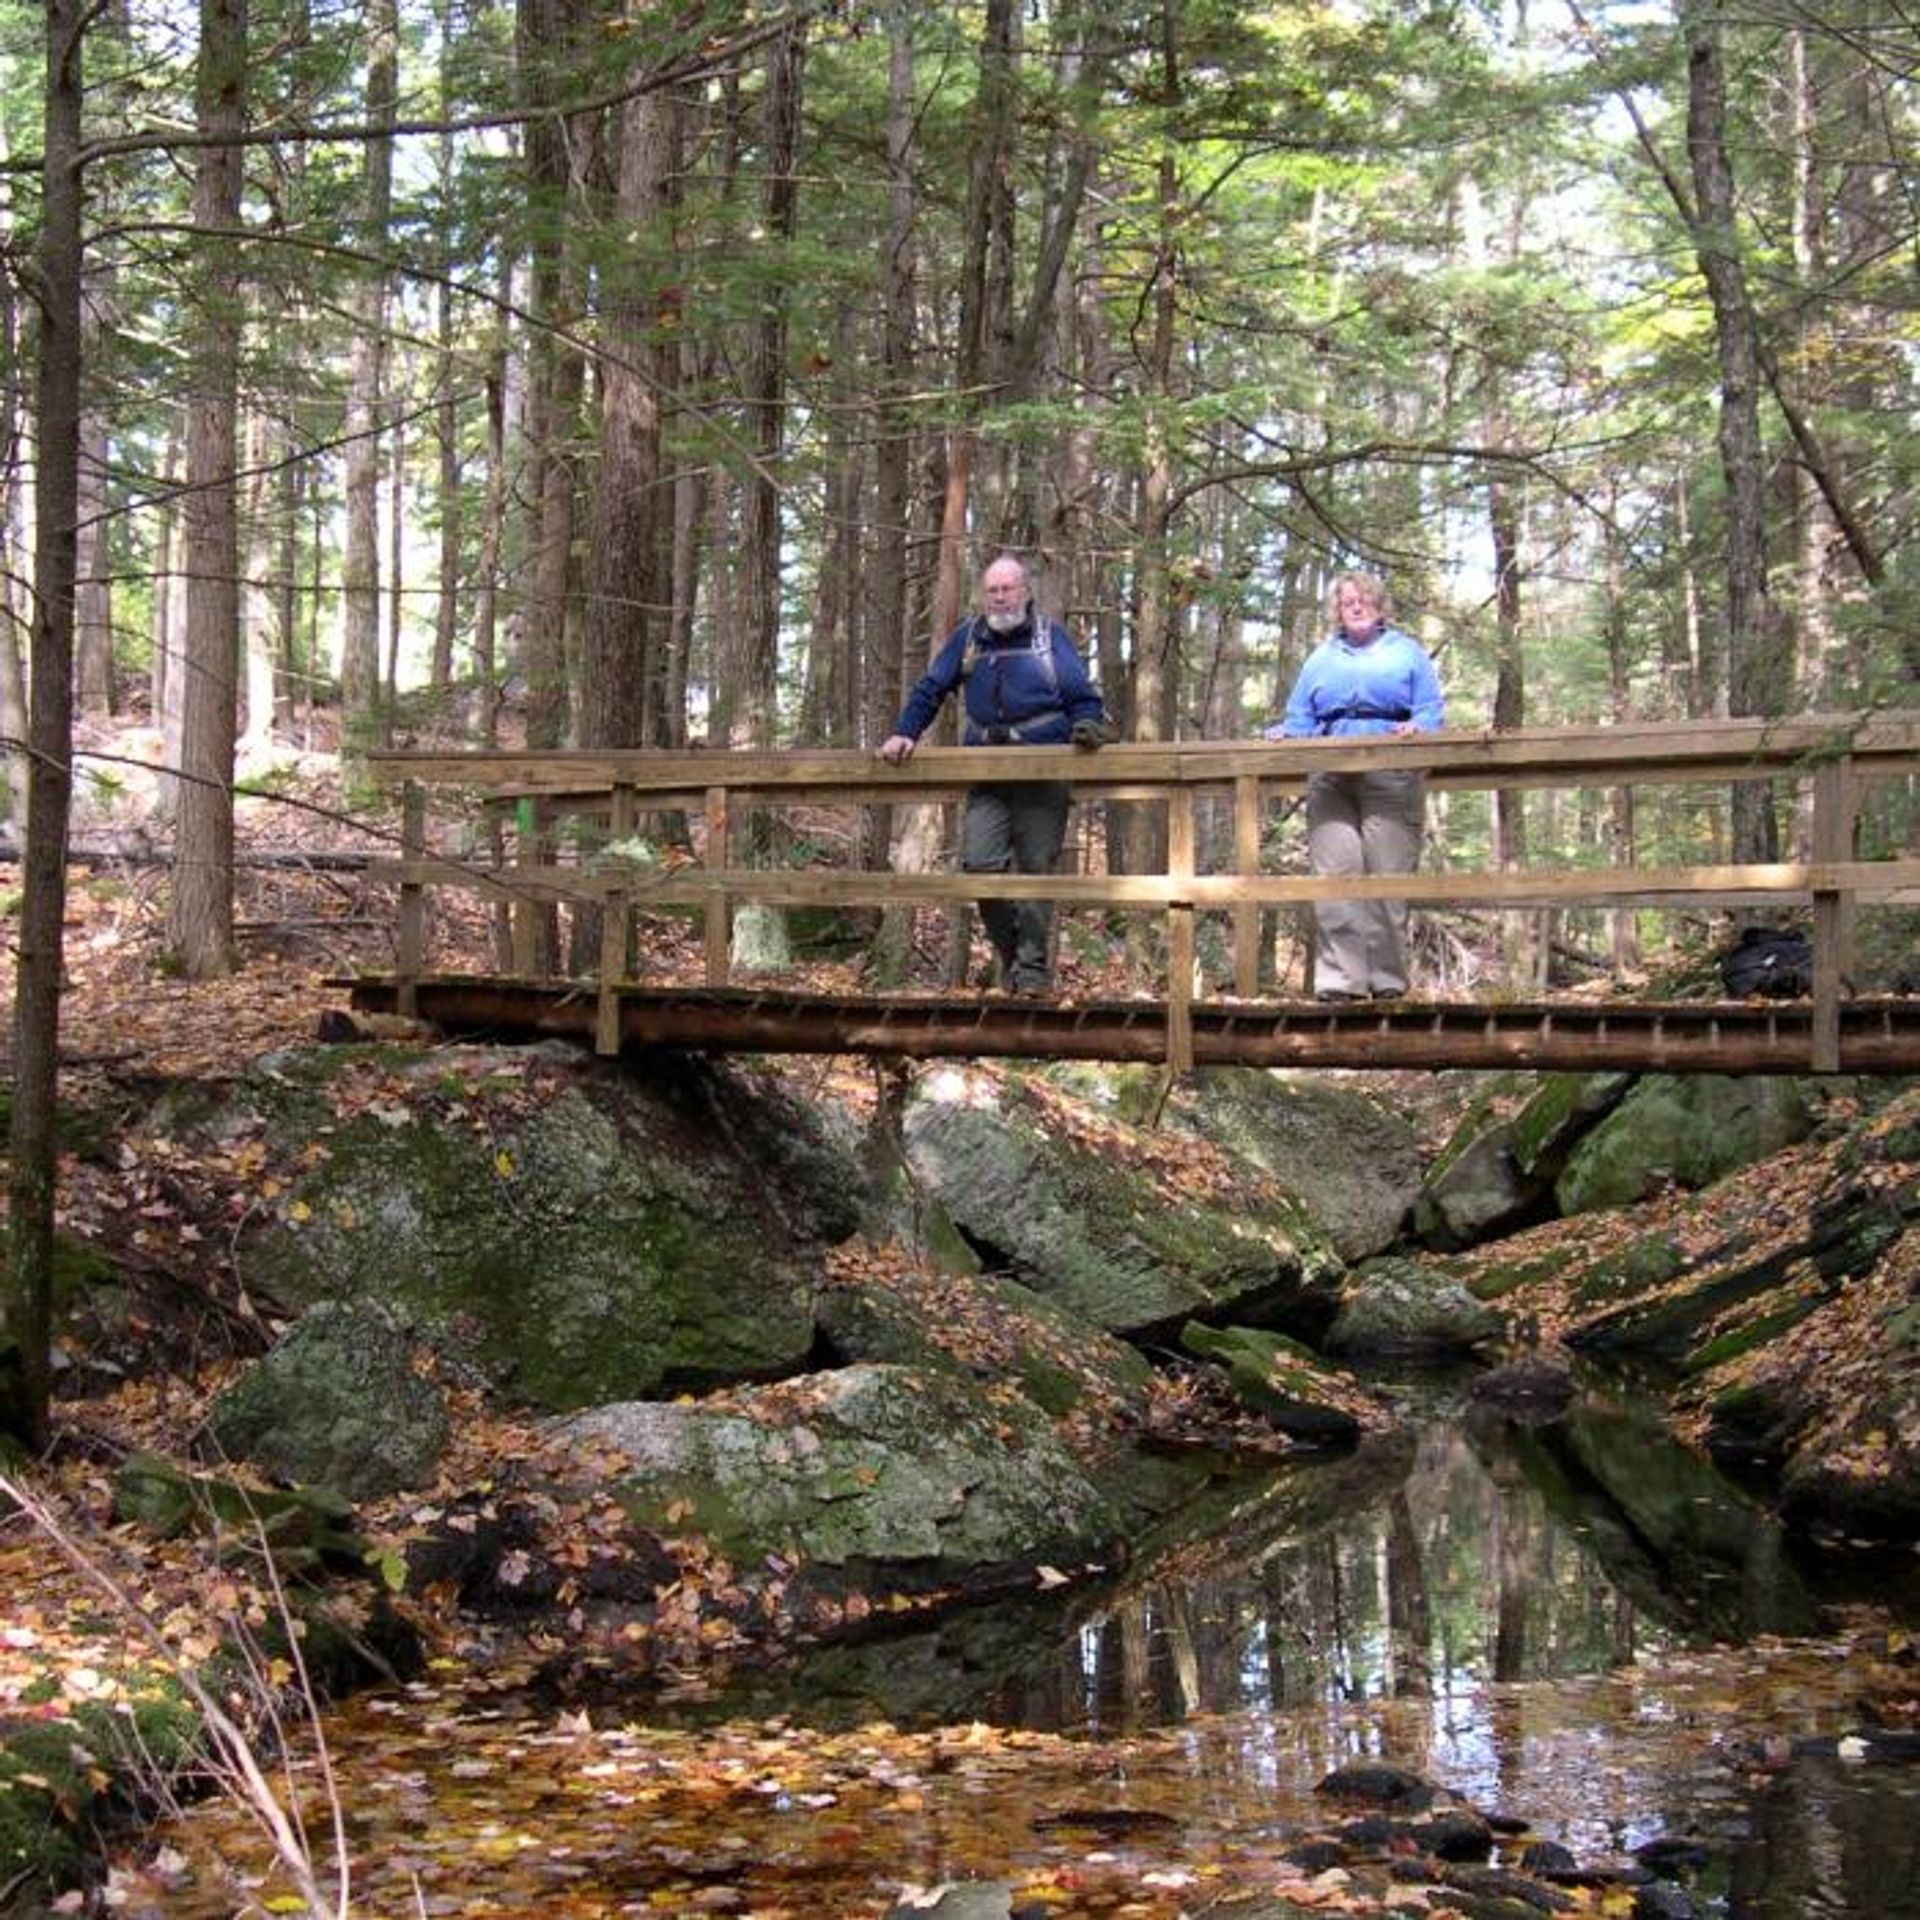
(1774, 962)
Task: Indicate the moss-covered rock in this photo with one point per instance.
(1497, 1172)
(581, 1235)
(889, 1473)
(1685, 1130)
(304, 1528)
(983, 1328)
(1642, 1264)
(1086, 1217)
(1402, 1308)
(1563, 1109)
(1351, 1162)
(337, 1402)
(1280, 1380)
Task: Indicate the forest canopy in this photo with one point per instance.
(662, 375)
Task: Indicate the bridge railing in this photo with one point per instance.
(563, 828)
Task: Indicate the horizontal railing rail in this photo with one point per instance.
(531, 794)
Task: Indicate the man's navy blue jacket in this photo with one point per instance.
(1016, 693)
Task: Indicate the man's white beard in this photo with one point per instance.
(1006, 622)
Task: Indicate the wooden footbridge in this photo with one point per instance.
(570, 849)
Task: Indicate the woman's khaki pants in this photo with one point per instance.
(1363, 823)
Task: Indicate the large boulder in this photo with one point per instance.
(1351, 1162)
(979, 1327)
(1497, 1173)
(1093, 1213)
(337, 1403)
(1682, 1130)
(581, 1234)
(887, 1473)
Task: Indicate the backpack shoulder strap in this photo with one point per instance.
(1042, 644)
(970, 653)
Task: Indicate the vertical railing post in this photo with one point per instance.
(1833, 804)
(1180, 933)
(525, 937)
(719, 909)
(1246, 860)
(615, 926)
(411, 954)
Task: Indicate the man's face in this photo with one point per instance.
(1005, 586)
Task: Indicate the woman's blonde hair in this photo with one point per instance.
(1368, 583)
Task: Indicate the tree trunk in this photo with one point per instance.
(363, 713)
(14, 568)
(556, 169)
(260, 603)
(1755, 657)
(486, 604)
(1622, 827)
(1138, 834)
(884, 621)
(766, 397)
(26, 1289)
(163, 670)
(625, 551)
(200, 924)
(446, 411)
(93, 641)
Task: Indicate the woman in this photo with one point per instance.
(1366, 678)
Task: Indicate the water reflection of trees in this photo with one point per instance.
(1478, 1552)
(1427, 1567)
(1820, 1843)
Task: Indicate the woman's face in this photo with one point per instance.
(1359, 612)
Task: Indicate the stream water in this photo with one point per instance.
(1580, 1625)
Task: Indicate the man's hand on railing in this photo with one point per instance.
(1090, 733)
(897, 748)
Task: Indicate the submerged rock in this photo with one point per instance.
(1526, 1389)
(1380, 1784)
(1402, 1309)
(1279, 1379)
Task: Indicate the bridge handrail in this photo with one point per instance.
(1835, 751)
(1662, 752)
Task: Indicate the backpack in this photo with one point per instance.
(1775, 962)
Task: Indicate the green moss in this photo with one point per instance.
(1495, 1283)
(303, 1527)
(1541, 1124)
(1638, 1267)
(1731, 1344)
(1498, 1093)
(441, 1221)
(60, 1778)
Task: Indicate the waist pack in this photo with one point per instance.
(1774, 962)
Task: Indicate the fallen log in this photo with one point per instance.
(134, 848)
